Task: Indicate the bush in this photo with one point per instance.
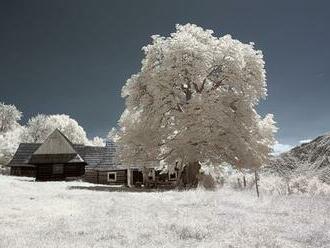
(312, 186)
(207, 182)
(4, 170)
(236, 181)
(277, 185)
(295, 185)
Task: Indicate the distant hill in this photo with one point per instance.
(310, 159)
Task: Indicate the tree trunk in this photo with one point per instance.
(190, 174)
(239, 185)
(129, 177)
(179, 181)
(145, 177)
(256, 179)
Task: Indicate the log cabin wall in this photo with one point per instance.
(23, 171)
(46, 172)
(102, 176)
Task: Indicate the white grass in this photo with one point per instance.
(52, 215)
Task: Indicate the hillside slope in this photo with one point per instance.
(311, 159)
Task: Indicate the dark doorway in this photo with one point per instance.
(137, 177)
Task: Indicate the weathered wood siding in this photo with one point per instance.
(23, 171)
(101, 177)
(45, 172)
(156, 179)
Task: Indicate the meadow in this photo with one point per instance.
(57, 214)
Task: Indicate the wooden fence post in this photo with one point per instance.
(256, 179)
(244, 181)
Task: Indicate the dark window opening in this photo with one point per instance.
(172, 176)
(58, 169)
(112, 176)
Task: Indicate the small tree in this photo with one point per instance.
(10, 131)
(194, 100)
(9, 117)
(9, 142)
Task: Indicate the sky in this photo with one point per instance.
(74, 56)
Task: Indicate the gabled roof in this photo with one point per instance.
(56, 143)
(94, 156)
(23, 154)
(56, 149)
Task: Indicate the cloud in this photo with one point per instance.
(280, 148)
(305, 141)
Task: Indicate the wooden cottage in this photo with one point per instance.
(58, 159)
(55, 159)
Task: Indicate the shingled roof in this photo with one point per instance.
(23, 154)
(94, 156)
(57, 148)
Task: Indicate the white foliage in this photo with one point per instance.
(309, 185)
(276, 185)
(9, 117)
(96, 141)
(113, 134)
(39, 127)
(36, 130)
(194, 100)
(9, 142)
(10, 131)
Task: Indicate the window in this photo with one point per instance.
(172, 176)
(58, 169)
(112, 176)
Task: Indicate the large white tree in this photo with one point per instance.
(10, 131)
(39, 127)
(194, 100)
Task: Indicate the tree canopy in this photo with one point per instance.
(40, 126)
(194, 99)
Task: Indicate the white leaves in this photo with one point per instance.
(204, 88)
(96, 141)
(9, 142)
(39, 127)
(9, 117)
(10, 131)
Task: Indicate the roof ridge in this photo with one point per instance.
(56, 143)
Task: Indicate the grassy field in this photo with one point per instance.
(53, 214)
